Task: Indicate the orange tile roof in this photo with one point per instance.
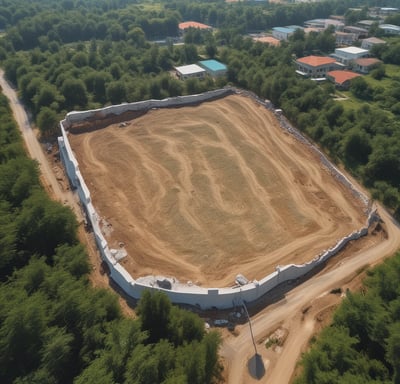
(316, 61)
(193, 24)
(365, 62)
(268, 40)
(342, 76)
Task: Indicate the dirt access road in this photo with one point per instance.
(35, 150)
(297, 314)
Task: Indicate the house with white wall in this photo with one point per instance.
(316, 66)
(370, 42)
(347, 55)
(345, 38)
(190, 71)
(390, 29)
(365, 65)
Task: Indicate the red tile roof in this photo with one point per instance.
(193, 24)
(366, 62)
(375, 40)
(341, 77)
(316, 61)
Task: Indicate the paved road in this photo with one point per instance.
(237, 351)
(35, 149)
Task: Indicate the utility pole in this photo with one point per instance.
(251, 328)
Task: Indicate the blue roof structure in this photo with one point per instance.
(213, 65)
(283, 29)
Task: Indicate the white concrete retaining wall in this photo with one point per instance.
(184, 293)
(78, 116)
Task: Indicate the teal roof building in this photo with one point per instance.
(213, 67)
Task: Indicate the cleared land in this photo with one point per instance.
(205, 192)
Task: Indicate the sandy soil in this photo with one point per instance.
(203, 193)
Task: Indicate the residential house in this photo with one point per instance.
(347, 55)
(365, 65)
(345, 38)
(361, 33)
(366, 24)
(342, 79)
(390, 29)
(316, 66)
(370, 42)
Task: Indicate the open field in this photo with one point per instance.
(205, 192)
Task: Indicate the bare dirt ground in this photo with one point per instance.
(205, 192)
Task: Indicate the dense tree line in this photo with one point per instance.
(363, 343)
(82, 76)
(56, 328)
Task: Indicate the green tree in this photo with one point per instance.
(154, 309)
(356, 147)
(47, 122)
(57, 354)
(74, 92)
(360, 88)
(43, 225)
(116, 92)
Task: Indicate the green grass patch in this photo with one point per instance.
(352, 102)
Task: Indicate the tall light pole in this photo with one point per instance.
(248, 318)
(251, 328)
(255, 364)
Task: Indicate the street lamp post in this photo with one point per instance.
(251, 328)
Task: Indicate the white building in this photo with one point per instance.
(347, 55)
(190, 71)
(390, 29)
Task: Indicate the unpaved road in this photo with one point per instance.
(237, 350)
(35, 150)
